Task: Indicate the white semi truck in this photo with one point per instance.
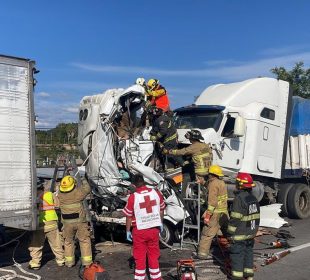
(18, 180)
(257, 126)
(248, 125)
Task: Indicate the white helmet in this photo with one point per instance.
(140, 81)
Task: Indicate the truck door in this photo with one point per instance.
(269, 143)
(231, 147)
(17, 145)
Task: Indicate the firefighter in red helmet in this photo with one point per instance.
(242, 228)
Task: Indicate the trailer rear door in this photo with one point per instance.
(17, 144)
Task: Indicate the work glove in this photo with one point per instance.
(165, 151)
(206, 218)
(129, 236)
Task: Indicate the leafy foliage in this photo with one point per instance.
(298, 77)
(63, 133)
(52, 143)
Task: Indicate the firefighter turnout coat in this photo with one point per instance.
(244, 217)
(74, 221)
(164, 131)
(218, 213)
(48, 223)
(201, 154)
(159, 98)
(242, 228)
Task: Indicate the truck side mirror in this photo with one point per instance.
(239, 128)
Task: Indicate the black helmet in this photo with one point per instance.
(194, 134)
(156, 111)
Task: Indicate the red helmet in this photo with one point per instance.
(245, 181)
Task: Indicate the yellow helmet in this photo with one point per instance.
(67, 184)
(216, 170)
(152, 83)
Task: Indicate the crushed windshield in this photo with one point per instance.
(197, 119)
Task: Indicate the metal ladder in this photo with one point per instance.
(57, 173)
(192, 200)
(70, 168)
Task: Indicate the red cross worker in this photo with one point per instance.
(144, 213)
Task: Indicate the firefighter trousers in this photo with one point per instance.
(217, 221)
(146, 245)
(37, 244)
(82, 232)
(241, 256)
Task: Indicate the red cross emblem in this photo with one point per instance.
(147, 204)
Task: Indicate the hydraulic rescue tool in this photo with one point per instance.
(186, 270)
(277, 256)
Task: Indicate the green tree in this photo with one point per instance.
(298, 77)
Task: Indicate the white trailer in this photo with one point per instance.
(256, 126)
(18, 181)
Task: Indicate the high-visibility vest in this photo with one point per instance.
(47, 208)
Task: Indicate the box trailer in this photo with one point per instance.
(18, 181)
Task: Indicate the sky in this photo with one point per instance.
(86, 47)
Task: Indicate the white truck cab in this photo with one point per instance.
(248, 126)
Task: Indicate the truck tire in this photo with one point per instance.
(282, 197)
(298, 201)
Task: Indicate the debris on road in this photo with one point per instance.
(269, 216)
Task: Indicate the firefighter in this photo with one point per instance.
(242, 228)
(144, 213)
(74, 220)
(200, 152)
(48, 228)
(158, 95)
(164, 132)
(216, 216)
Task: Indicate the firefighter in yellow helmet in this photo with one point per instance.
(48, 228)
(158, 95)
(74, 221)
(216, 216)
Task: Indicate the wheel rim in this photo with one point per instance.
(304, 202)
(165, 234)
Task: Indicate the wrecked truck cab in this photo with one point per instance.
(113, 140)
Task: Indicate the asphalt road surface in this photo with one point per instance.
(115, 259)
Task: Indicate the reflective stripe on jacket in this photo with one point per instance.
(244, 217)
(217, 196)
(71, 204)
(164, 131)
(160, 98)
(47, 208)
(201, 155)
